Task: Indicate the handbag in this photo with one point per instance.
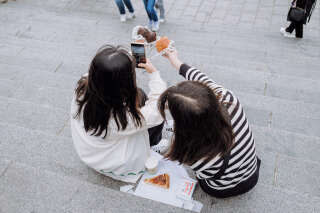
(297, 14)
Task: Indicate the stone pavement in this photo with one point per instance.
(46, 45)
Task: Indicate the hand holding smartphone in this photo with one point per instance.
(139, 52)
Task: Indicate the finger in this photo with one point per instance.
(166, 51)
(142, 65)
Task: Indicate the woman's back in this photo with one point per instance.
(120, 155)
(217, 140)
(242, 160)
(109, 129)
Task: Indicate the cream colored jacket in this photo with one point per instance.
(122, 154)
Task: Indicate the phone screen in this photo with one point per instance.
(138, 51)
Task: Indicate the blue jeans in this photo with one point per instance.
(152, 14)
(120, 5)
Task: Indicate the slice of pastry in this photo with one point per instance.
(162, 181)
(162, 44)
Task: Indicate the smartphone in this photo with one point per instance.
(139, 52)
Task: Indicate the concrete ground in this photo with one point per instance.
(46, 45)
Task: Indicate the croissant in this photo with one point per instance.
(162, 44)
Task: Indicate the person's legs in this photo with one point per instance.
(161, 8)
(151, 11)
(121, 7)
(129, 5)
(155, 134)
(290, 28)
(145, 2)
(299, 30)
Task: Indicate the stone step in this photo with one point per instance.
(30, 189)
(242, 62)
(56, 156)
(248, 81)
(281, 86)
(279, 65)
(226, 40)
(56, 91)
(33, 84)
(56, 153)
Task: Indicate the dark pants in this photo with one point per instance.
(239, 189)
(155, 133)
(296, 26)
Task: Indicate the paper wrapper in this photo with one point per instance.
(162, 52)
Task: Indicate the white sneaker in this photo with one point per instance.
(162, 146)
(123, 18)
(285, 33)
(150, 24)
(131, 15)
(155, 26)
(162, 20)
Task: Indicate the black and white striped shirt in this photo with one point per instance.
(243, 161)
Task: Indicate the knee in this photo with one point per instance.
(149, 10)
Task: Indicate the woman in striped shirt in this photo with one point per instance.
(211, 133)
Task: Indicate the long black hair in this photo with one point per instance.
(202, 127)
(109, 91)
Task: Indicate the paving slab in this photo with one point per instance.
(298, 146)
(4, 164)
(33, 116)
(298, 175)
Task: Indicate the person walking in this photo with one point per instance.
(307, 6)
(159, 5)
(121, 5)
(152, 14)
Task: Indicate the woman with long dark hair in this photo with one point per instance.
(211, 133)
(308, 6)
(109, 119)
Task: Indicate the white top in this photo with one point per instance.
(122, 154)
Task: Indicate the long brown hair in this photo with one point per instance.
(202, 127)
(108, 91)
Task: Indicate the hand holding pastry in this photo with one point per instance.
(162, 44)
(172, 56)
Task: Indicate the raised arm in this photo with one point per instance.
(157, 87)
(191, 73)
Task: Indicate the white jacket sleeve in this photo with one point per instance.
(150, 111)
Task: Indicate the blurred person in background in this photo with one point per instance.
(121, 5)
(159, 5)
(152, 14)
(308, 6)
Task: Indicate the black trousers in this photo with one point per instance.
(296, 26)
(239, 189)
(155, 133)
